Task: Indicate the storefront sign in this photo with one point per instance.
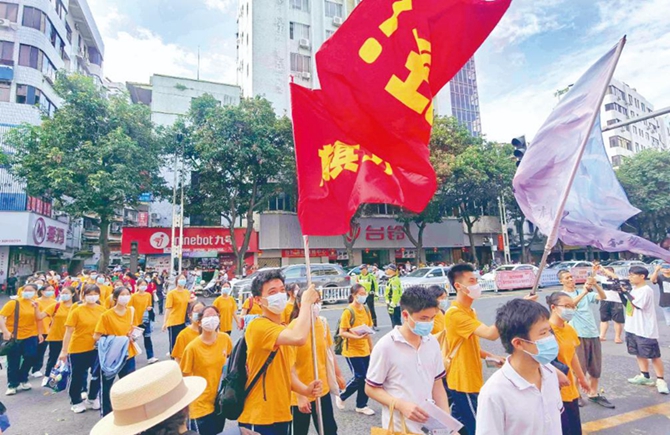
(405, 253)
(4, 264)
(158, 263)
(299, 253)
(514, 279)
(38, 206)
(143, 219)
(30, 229)
(209, 239)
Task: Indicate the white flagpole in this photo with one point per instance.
(553, 236)
(317, 402)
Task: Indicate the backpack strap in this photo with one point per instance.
(352, 316)
(261, 372)
(15, 331)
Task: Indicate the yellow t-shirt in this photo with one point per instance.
(227, 307)
(207, 361)
(43, 304)
(304, 362)
(105, 291)
(141, 301)
(177, 302)
(83, 319)
(186, 336)
(111, 323)
(109, 302)
(255, 309)
(567, 343)
(438, 324)
(358, 347)
(465, 374)
(27, 321)
(286, 315)
(269, 401)
(57, 331)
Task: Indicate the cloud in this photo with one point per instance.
(525, 19)
(221, 5)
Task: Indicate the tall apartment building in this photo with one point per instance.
(37, 39)
(278, 39)
(623, 102)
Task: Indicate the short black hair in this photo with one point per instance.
(416, 298)
(515, 318)
(562, 272)
(436, 291)
(553, 298)
(263, 278)
(457, 270)
(91, 288)
(639, 270)
(117, 292)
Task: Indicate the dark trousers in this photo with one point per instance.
(106, 385)
(38, 361)
(396, 318)
(301, 421)
(148, 344)
(571, 423)
(359, 367)
(55, 348)
(370, 301)
(173, 332)
(210, 424)
(269, 429)
(80, 363)
(161, 301)
(464, 409)
(19, 361)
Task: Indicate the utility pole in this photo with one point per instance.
(503, 225)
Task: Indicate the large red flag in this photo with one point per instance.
(337, 173)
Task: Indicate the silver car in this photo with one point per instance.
(323, 275)
(427, 276)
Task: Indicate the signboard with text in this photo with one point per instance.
(514, 279)
(208, 239)
(299, 253)
(30, 229)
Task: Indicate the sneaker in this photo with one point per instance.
(78, 408)
(24, 386)
(339, 403)
(580, 402)
(84, 395)
(602, 401)
(38, 374)
(365, 411)
(45, 381)
(152, 360)
(10, 391)
(641, 380)
(93, 404)
(662, 386)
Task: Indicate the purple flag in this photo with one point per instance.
(596, 204)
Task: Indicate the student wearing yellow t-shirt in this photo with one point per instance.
(562, 311)
(466, 377)
(79, 345)
(142, 301)
(56, 315)
(47, 297)
(188, 334)
(176, 305)
(267, 408)
(227, 308)
(205, 356)
(291, 291)
(119, 322)
(250, 308)
(304, 408)
(105, 286)
(443, 305)
(29, 327)
(356, 348)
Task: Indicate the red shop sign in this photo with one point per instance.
(158, 241)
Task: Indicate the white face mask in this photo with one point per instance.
(277, 303)
(142, 288)
(474, 291)
(91, 299)
(124, 299)
(210, 323)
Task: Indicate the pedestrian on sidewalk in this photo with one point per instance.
(610, 310)
(642, 330)
(589, 351)
(47, 298)
(188, 334)
(176, 305)
(369, 281)
(227, 306)
(356, 349)
(661, 277)
(393, 294)
(144, 316)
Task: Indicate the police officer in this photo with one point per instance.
(394, 291)
(369, 282)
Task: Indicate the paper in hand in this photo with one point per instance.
(363, 330)
(439, 422)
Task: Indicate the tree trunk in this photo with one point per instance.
(103, 263)
(417, 242)
(349, 244)
(527, 249)
(522, 241)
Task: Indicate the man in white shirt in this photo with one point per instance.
(406, 366)
(523, 397)
(642, 330)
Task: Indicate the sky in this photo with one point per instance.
(540, 46)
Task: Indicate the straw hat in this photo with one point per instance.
(148, 396)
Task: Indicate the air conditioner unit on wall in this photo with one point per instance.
(306, 76)
(304, 43)
(4, 22)
(337, 21)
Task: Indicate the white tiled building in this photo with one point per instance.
(623, 102)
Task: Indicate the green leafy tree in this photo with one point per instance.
(96, 155)
(646, 179)
(240, 157)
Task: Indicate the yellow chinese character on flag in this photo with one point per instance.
(336, 158)
(377, 161)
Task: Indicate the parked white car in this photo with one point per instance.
(427, 276)
(491, 276)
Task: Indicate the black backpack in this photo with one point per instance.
(232, 392)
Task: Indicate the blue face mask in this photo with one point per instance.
(361, 299)
(422, 329)
(65, 297)
(49, 293)
(28, 295)
(444, 304)
(547, 349)
(181, 282)
(227, 290)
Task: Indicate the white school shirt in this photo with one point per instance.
(509, 404)
(642, 322)
(405, 372)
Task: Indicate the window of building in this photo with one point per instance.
(644, 107)
(300, 63)
(4, 92)
(68, 31)
(26, 94)
(301, 5)
(94, 56)
(614, 106)
(298, 31)
(9, 11)
(612, 121)
(647, 135)
(616, 160)
(617, 92)
(60, 9)
(630, 99)
(637, 147)
(6, 53)
(637, 103)
(618, 141)
(634, 130)
(334, 9)
(34, 18)
(281, 202)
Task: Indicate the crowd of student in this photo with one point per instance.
(432, 354)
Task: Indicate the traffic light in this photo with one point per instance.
(519, 148)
